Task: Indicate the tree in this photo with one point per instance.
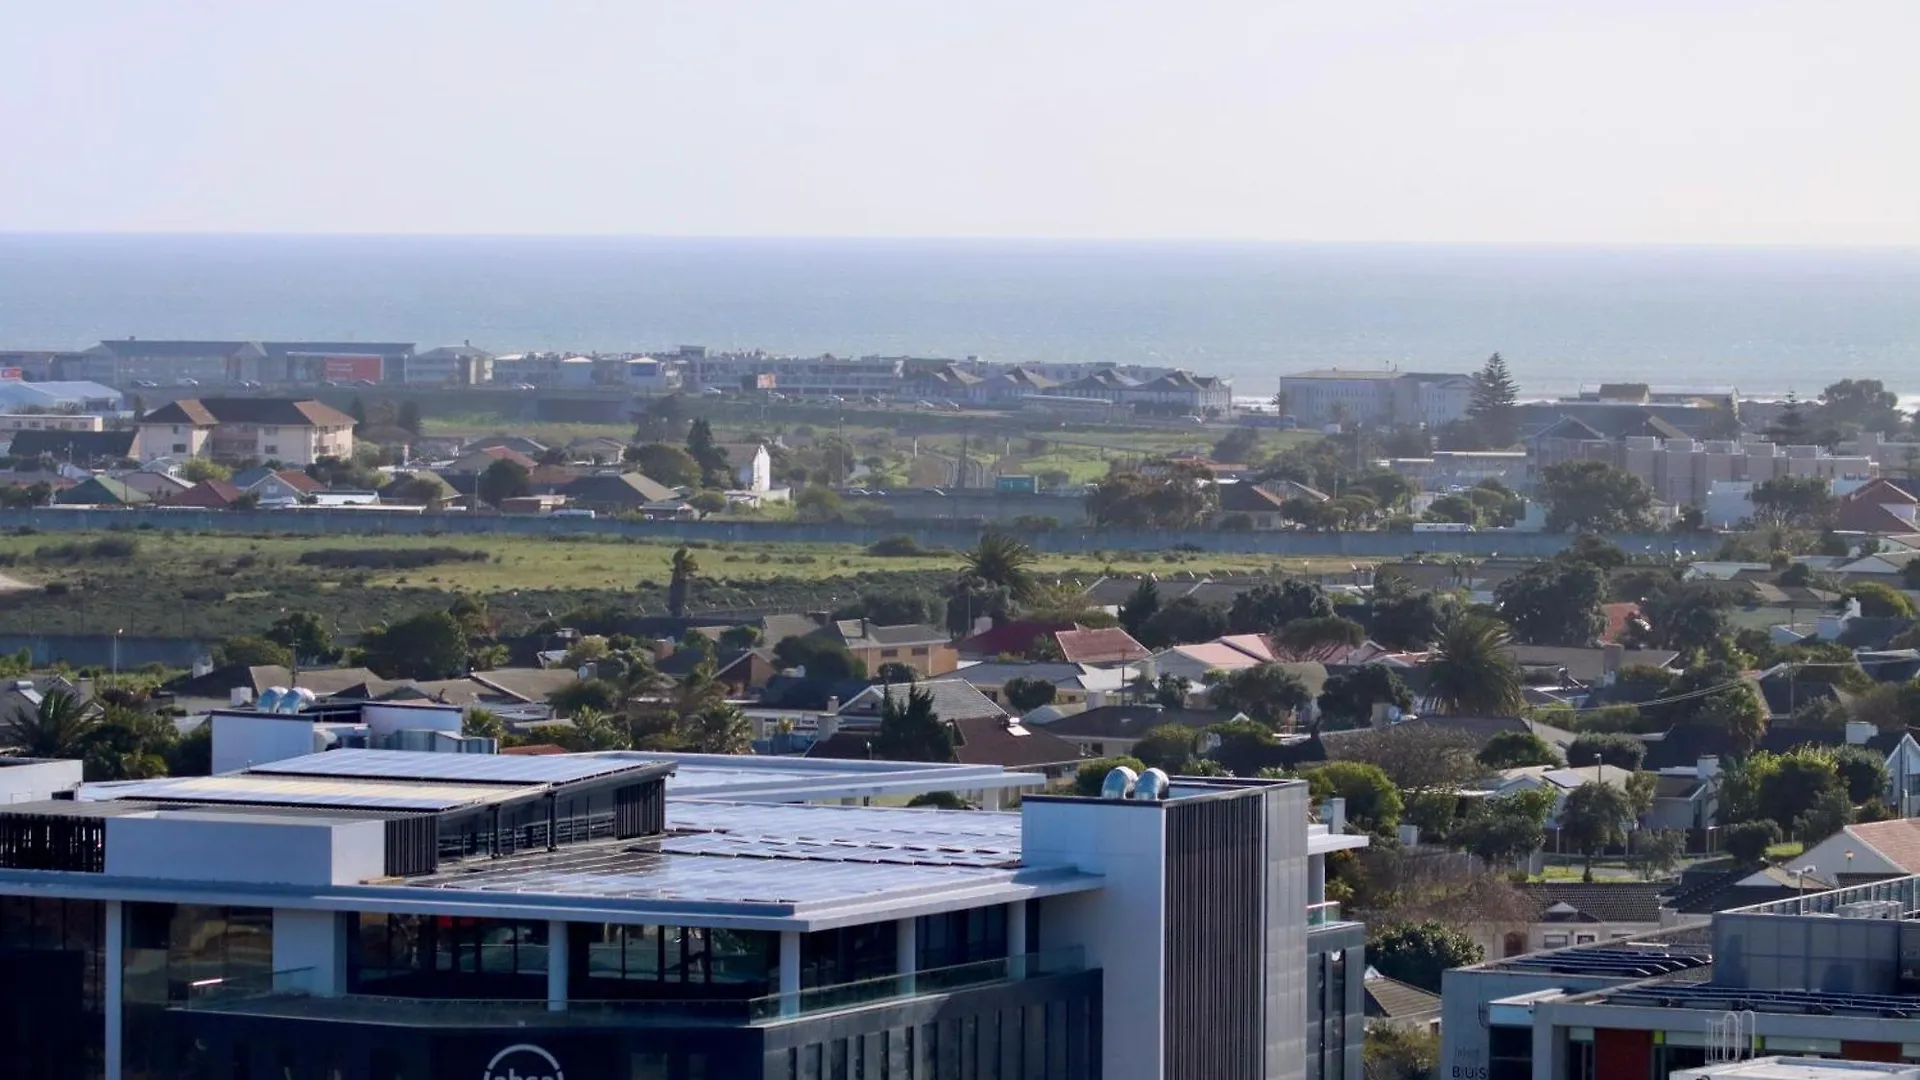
(1804, 503)
(57, 727)
(1420, 953)
(192, 753)
(669, 465)
(1516, 749)
(680, 587)
(1174, 496)
(1266, 608)
(1748, 841)
(740, 637)
(894, 607)
(1593, 496)
(819, 504)
(584, 695)
(1168, 747)
(1417, 757)
(303, 634)
(127, 744)
(1861, 771)
(822, 657)
(1405, 619)
(1555, 603)
(714, 471)
(1739, 711)
(1025, 695)
(1145, 602)
(427, 645)
(1318, 640)
(1089, 776)
(717, 727)
(1392, 1052)
(1685, 616)
(1618, 750)
(1184, 621)
(1239, 446)
(1003, 560)
(199, 469)
(483, 724)
(1373, 803)
(502, 480)
(1455, 508)
(969, 599)
(893, 671)
(1349, 697)
(1268, 693)
(1791, 427)
(1879, 601)
(408, 418)
(1471, 672)
(911, 731)
(1865, 404)
(1494, 396)
(247, 650)
(1507, 828)
(1791, 786)
(1596, 817)
(1656, 851)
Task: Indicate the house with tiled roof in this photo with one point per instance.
(1010, 637)
(1262, 508)
(297, 432)
(1878, 506)
(1102, 647)
(87, 449)
(1865, 852)
(1073, 684)
(1390, 1001)
(100, 491)
(206, 495)
(1111, 730)
(1576, 913)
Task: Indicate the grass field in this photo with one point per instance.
(196, 585)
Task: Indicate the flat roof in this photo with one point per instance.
(1798, 1068)
(753, 778)
(264, 790)
(845, 834)
(455, 768)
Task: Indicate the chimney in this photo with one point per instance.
(833, 704)
(829, 724)
(1333, 814)
(83, 689)
(1859, 731)
(1612, 656)
(1708, 767)
(662, 648)
(239, 695)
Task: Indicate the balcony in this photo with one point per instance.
(289, 994)
(1324, 914)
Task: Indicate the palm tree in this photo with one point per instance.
(56, 728)
(1471, 672)
(1004, 561)
(680, 589)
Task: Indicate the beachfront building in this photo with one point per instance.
(362, 914)
(1385, 398)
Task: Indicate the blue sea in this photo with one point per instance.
(1764, 320)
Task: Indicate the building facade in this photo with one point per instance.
(296, 433)
(365, 914)
(1385, 398)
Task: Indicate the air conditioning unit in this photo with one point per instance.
(1871, 909)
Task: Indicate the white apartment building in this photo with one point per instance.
(1386, 398)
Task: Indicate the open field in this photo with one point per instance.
(203, 585)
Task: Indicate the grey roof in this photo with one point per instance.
(1129, 721)
(1588, 665)
(189, 350)
(383, 349)
(452, 768)
(76, 446)
(268, 790)
(626, 489)
(1608, 901)
(996, 673)
(860, 634)
(953, 699)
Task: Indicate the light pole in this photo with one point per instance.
(116, 650)
(1799, 893)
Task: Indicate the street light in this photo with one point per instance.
(1799, 896)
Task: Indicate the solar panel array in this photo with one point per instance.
(1618, 962)
(845, 834)
(319, 791)
(452, 768)
(1740, 999)
(626, 872)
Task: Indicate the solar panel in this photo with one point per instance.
(452, 768)
(1719, 998)
(318, 791)
(845, 834)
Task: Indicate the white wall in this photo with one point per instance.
(316, 942)
(33, 781)
(255, 849)
(386, 720)
(243, 739)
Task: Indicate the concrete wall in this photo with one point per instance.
(240, 741)
(31, 781)
(98, 650)
(260, 850)
(1379, 545)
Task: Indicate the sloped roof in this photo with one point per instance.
(953, 699)
(98, 490)
(191, 350)
(1898, 840)
(808, 693)
(861, 634)
(985, 740)
(1110, 645)
(1129, 721)
(1391, 999)
(1244, 498)
(282, 411)
(625, 489)
(79, 446)
(1607, 902)
(207, 494)
(1587, 665)
(1014, 637)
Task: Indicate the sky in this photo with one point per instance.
(1498, 121)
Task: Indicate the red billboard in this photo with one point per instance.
(350, 368)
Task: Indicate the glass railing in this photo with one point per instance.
(1323, 913)
(291, 993)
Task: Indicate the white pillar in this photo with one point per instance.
(789, 973)
(1316, 879)
(313, 944)
(557, 957)
(115, 990)
(990, 799)
(1017, 939)
(906, 952)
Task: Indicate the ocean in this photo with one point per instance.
(1761, 320)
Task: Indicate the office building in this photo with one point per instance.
(1832, 975)
(1383, 398)
(362, 914)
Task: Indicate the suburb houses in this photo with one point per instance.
(296, 433)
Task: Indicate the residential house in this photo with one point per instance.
(597, 450)
(925, 649)
(1010, 637)
(1104, 647)
(1252, 506)
(1397, 1004)
(1112, 730)
(154, 484)
(206, 495)
(1558, 780)
(1588, 666)
(624, 493)
(85, 449)
(530, 448)
(1863, 852)
(1073, 684)
(449, 365)
(101, 491)
(295, 432)
(280, 487)
(1880, 506)
(983, 733)
(1567, 913)
(752, 466)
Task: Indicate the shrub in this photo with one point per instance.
(388, 558)
(901, 546)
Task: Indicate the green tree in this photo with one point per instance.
(714, 471)
(1267, 693)
(1657, 851)
(57, 727)
(483, 724)
(1318, 640)
(1507, 828)
(304, 634)
(680, 587)
(1455, 508)
(1181, 622)
(247, 650)
(1879, 601)
(1596, 817)
(598, 696)
(1863, 404)
(199, 469)
(894, 607)
(1593, 496)
(1174, 496)
(1794, 785)
(1090, 775)
(1266, 608)
(1401, 618)
(823, 657)
(1471, 672)
(408, 418)
(1003, 561)
(426, 645)
(1555, 603)
(1748, 841)
(1169, 747)
(1804, 503)
(1024, 695)
(1615, 749)
(192, 753)
(893, 671)
(1685, 616)
(1145, 602)
(1516, 749)
(1373, 803)
(910, 730)
(666, 464)
(1348, 698)
(127, 744)
(1492, 407)
(740, 637)
(717, 727)
(819, 504)
(1861, 771)
(1392, 1052)
(502, 480)
(1419, 953)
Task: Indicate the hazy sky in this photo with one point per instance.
(1611, 121)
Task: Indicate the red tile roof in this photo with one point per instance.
(1107, 646)
(1015, 637)
(207, 494)
(1898, 840)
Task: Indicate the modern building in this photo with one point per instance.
(1829, 975)
(366, 914)
(1384, 398)
(449, 365)
(293, 432)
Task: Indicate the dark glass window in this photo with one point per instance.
(664, 961)
(52, 986)
(171, 948)
(961, 937)
(849, 954)
(435, 956)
